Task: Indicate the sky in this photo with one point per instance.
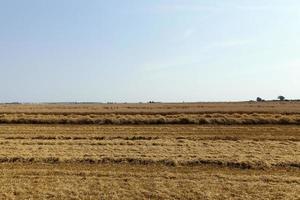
(159, 50)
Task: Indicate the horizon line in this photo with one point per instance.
(143, 102)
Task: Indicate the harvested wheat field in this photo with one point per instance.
(87, 153)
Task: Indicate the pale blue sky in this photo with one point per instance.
(162, 50)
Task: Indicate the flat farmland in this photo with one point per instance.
(152, 108)
(167, 160)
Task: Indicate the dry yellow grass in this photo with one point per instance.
(150, 151)
(123, 181)
(241, 113)
(156, 162)
(166, 145)
(156, 108)
(121, 119)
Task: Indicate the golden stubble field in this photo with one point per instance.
(183, 160)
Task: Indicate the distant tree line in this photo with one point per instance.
(280, 98)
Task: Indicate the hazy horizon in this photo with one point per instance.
(140, 51)
(142, 102)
